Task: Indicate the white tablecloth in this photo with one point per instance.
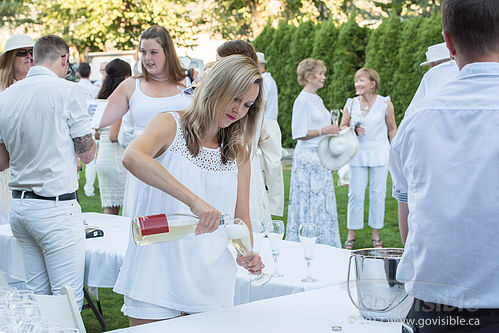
(312, 312)
(104, 257)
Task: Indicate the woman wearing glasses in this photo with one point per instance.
(15, 62)
(159, 88)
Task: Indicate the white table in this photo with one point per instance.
(313, 311)
(104, 257)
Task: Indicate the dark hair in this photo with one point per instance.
(84, 70)
(116, 71)
(49, 48)
(173, 68)
(472, 24)
(237, 47)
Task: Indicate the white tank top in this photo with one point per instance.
(196, 273)
(374, 147)
(143, 108)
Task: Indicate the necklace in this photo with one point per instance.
(159, 80)
(364, 109)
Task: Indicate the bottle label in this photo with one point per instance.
(153, 224)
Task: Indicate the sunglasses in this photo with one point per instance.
(24, 52)
(70, 68)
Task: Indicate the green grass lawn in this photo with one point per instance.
(111, 302)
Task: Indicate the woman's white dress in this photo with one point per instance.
(110, 170)
(143, 108)
(311, 192)
(196, 273)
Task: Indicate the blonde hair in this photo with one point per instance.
(308, 67)
(7, 69)
(172, 64)
(369, 74)
(230, 78)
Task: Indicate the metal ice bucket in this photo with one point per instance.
(379, 295)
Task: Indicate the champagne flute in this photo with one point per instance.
(308, 236)
(275, 232)
(239, 235)
(335, 116)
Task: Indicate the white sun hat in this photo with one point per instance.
(261, 58)
(18, 41)
(435, 53)
(336, 150)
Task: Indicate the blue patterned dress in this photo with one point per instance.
(311, 193)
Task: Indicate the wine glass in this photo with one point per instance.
(308, 236)
(275, 232)
(335, 116)
(258, 236)
(239, 235)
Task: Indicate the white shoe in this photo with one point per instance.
(89, 194)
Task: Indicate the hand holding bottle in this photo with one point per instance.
(209, 217)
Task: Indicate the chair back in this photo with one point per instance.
(61, 309)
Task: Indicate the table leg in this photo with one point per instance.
(96, 310)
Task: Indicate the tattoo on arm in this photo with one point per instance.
(83, 144)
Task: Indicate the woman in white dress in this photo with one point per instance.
(110, 169)
(259, 201)
(158, 89)
(196, 161)
(372, 116)
(311, 192)
(15, 62)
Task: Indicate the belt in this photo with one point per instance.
(16, 194)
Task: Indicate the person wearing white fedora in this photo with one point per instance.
(372, 116)
(442, 70)
(15, 61)
(311, 191)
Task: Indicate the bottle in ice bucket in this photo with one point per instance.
(159, 228)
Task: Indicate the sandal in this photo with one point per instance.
(377, 243)
(349, 244)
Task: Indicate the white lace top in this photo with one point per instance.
(196, 273)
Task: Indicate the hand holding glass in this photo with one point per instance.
(239, 235)
(308, 236)
(275, 232)
(335, 116)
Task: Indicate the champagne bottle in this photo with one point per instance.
(158, 228)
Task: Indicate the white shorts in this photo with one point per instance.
(142, 310)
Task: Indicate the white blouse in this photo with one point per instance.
(309, 113)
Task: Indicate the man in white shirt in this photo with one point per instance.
(442, 70)
(445, 160)
(91, 92)
(270, 143)
(43, 125)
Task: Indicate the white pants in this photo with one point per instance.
(142, 310)
(90, 172)
(356, 194)
(52, 237)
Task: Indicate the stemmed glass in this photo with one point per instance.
(308, 236)
(239, 235)
(335, 116)
(275, 232)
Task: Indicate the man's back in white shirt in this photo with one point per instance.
(39, 117)
(433, 80)
(91, 91)
(446, 157)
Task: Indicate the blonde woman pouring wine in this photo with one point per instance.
(196, 162)
(372, 116)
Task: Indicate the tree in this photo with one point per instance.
(326, 36)
(264, 39)
(348, 57)
(382, 52)
(100, 24)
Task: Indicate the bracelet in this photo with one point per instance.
(319, 131)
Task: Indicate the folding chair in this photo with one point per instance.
(61, 309)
